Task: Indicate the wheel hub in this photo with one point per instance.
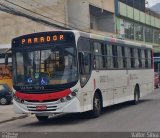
(3, 101)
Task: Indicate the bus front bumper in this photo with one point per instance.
(72, 106)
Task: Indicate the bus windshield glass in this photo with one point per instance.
(45, 67)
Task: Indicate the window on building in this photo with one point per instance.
(138, 32)
(129, 30)
(156, 36)
(148, 35)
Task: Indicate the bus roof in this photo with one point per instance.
(103, 37)
(115, 40)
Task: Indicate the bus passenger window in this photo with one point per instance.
(149, 58)
(146, 58)
(143, 59)
(140, 58)
(124, 58)
(128, 58)
(115, 56)
(132, 58)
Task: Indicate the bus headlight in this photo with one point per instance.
(73, 93)
(68, 97)
(62, 100)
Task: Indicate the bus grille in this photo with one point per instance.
(35, 101)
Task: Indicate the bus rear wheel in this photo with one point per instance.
(97, 106)
(42, 118)
(136, 96)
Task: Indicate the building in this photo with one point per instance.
(125, 19)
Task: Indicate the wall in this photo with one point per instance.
(12, 26)
(106, 24)
(105, 4)
(78, 14)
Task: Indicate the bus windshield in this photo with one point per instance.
(44, 67)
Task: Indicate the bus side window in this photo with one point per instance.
(149, 58)
(136, 58)
(143, 58)
(120, 58)
(132, 57)
(146, 58)
(140, 58)
(124, 58)
(109, 57)
(98, 62)
(128, 58)
(115, 56)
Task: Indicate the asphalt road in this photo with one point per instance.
(144, 117)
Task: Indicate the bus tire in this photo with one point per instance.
(136, 95)
(42, 118)
(97, 106)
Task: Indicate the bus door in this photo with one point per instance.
(85, 58)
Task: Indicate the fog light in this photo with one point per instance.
(73, 94)
(68, 98)
(62, 100)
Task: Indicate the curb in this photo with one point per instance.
(13, 118)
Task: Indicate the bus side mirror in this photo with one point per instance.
(6, 59)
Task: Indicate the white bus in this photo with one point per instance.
(71, 71)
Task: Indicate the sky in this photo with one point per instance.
(153, 2)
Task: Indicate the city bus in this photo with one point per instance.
(74, 72)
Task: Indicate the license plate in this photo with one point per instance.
(41, 107)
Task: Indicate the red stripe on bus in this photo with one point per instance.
(42, 97)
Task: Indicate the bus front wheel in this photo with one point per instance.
(97, 106)
(42, 118)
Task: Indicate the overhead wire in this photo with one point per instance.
(20, 13)
(79, 22)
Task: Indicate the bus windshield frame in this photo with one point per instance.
(45, 67)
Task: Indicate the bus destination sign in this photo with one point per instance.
(43, 38)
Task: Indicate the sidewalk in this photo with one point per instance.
(7, 114)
